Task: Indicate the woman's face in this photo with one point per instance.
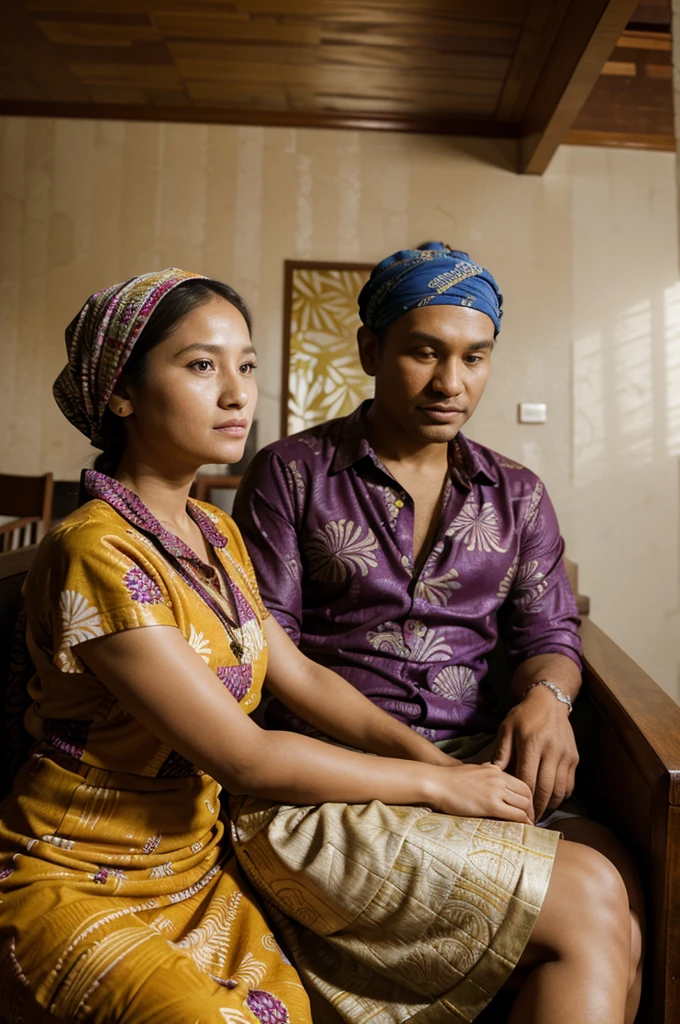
(195, 402)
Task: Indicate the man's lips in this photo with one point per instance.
(233, 428)
(442, 413)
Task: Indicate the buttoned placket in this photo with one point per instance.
(402, 529)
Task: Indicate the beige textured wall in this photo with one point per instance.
(586, 256)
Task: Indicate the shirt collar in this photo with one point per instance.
(467, 459)
(131, 507)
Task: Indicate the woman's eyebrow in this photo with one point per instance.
(207, 346)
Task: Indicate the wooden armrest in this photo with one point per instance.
(646, 719)
(628, 733)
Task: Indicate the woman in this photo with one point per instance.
(121, 898)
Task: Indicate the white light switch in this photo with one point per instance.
(532, 412)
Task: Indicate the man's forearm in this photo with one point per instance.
(555, 668)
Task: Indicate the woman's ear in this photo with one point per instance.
(369, 350)
(120, 403)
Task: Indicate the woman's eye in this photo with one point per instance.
(202, 365)
(248, 368)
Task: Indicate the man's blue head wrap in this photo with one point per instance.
(433, 275)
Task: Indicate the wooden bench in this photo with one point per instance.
(628, 732)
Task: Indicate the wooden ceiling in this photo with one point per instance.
(631, 103)
(507, 68)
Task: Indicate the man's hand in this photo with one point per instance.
(536, 735)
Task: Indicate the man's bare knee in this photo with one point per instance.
(586, 905)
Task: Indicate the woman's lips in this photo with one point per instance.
(234, 428)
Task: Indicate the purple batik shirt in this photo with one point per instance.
(330, 533)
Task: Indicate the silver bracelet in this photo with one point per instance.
(563, 697)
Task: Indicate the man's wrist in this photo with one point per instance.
(547, 687)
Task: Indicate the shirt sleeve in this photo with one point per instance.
(540, 614)
(101, 582)
(266, 514)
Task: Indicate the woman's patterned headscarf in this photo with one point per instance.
(433, 275)
(99, 341)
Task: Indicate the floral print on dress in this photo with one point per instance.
(141, 587)
(338, 550)
(478, 528)
(199, 643)
(68, 735)
(80, 621)
(236, 678)
(267, 1008)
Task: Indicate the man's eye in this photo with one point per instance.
(473, 359)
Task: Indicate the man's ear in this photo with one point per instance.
(120, 403)
(369, 350)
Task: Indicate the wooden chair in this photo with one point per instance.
(205, 484)
(628, 732)
(28, 499)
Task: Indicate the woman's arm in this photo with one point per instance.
(160, 680)
(335, 707)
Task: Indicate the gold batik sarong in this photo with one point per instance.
(122, 902)
(396, 914)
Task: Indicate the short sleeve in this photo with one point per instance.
(102, 582)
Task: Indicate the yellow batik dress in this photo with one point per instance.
(120, 897)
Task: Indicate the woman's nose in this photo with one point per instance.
(234, 392)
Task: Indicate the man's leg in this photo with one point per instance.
(578, 954)
(592, 834)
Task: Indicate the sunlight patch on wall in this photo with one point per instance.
(589, 423)
(632, 357)
(672, 333)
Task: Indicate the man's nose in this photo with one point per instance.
(449, 379)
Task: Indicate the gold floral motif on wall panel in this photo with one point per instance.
(322, 373)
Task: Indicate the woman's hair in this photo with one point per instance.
(183, 299)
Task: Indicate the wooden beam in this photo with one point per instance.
(590, 31)
(620, 140)
(362, 121)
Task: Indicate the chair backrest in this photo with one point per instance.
(14, 566)
(28, 500)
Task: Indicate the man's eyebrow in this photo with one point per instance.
(200, 346)
(475, 346)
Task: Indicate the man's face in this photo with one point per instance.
(430, 367)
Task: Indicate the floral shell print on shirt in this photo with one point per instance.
(116, 576)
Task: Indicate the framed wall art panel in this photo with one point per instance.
(322, 375)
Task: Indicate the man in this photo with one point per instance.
(396, 551)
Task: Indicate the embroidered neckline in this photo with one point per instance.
(132, 508)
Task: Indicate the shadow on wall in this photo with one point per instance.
(626, 460)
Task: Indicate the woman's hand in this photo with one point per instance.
(482, 791)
